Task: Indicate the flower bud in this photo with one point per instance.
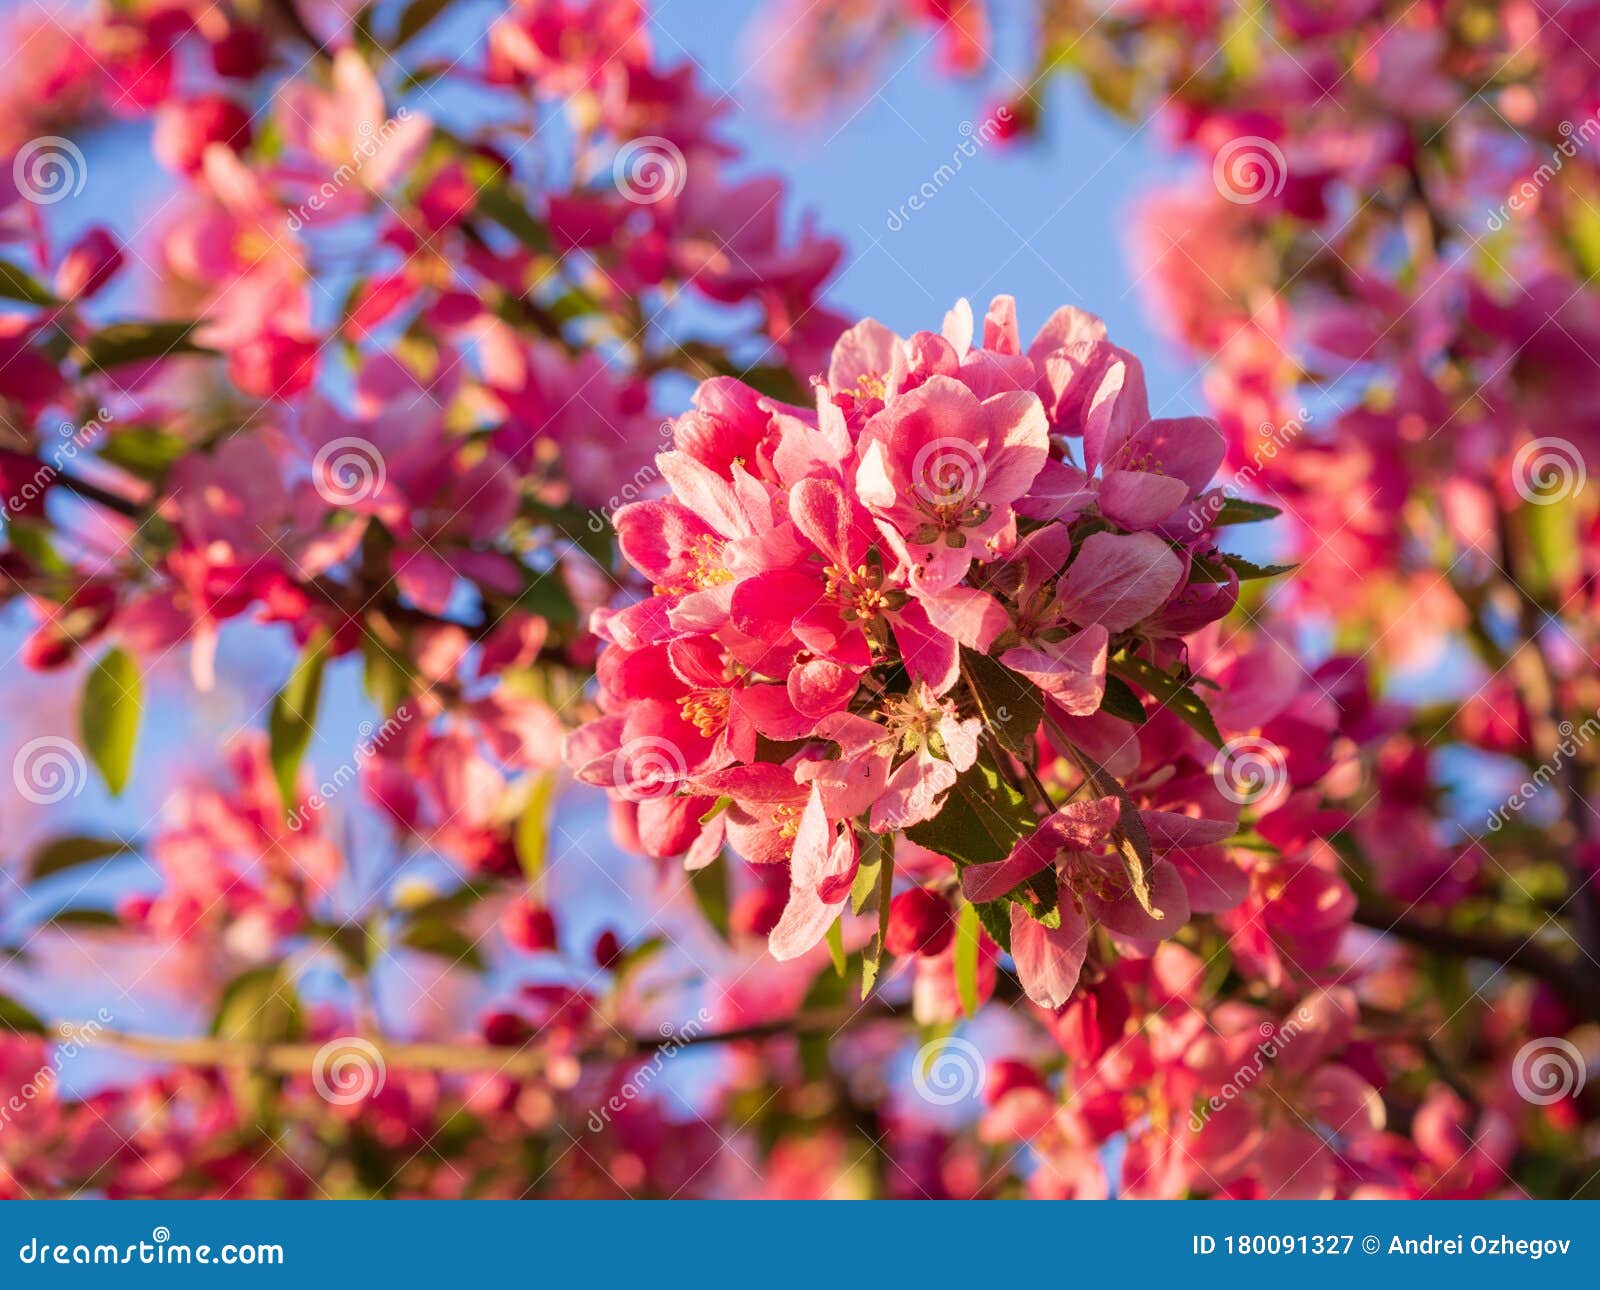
(185, 129)
(529, 926)
(505, 1030)
(1007, 1075)
(757, 911)
(919, 923)
(607, 950)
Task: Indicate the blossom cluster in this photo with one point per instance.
(860, 616)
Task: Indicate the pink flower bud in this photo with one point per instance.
(919, 923)
(1007, 1075)
(505, 1030)
(88, 265)
(185, 129)
(607, 949)
(240, 55)
(529, 926)
(757, 911)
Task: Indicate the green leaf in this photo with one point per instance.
(710, 888)
(1121, 701)
(79, 916)
(19, 1019)
(995, 915)
(413, 20)
(776, 382)
(1172, 693)
(497, 202)
(874, 851)
(1214, 568)
(438, 937)
(883, 876)
(294, 718)
(385, 677)
(1236, 510)
(966, 958)
(109, 716)
(982, 819)
(533, 829)
(68, 852)
(136, 342)
(259, 1006)
(145, 451)
(1010, 706)
(17, 284)
(836, 944)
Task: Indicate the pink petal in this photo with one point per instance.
(1119, 579)
(1072, 672)
(1048, 961)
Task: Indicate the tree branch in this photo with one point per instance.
(1577, 987)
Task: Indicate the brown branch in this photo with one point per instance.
(517, 1063)
(1579, 988)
